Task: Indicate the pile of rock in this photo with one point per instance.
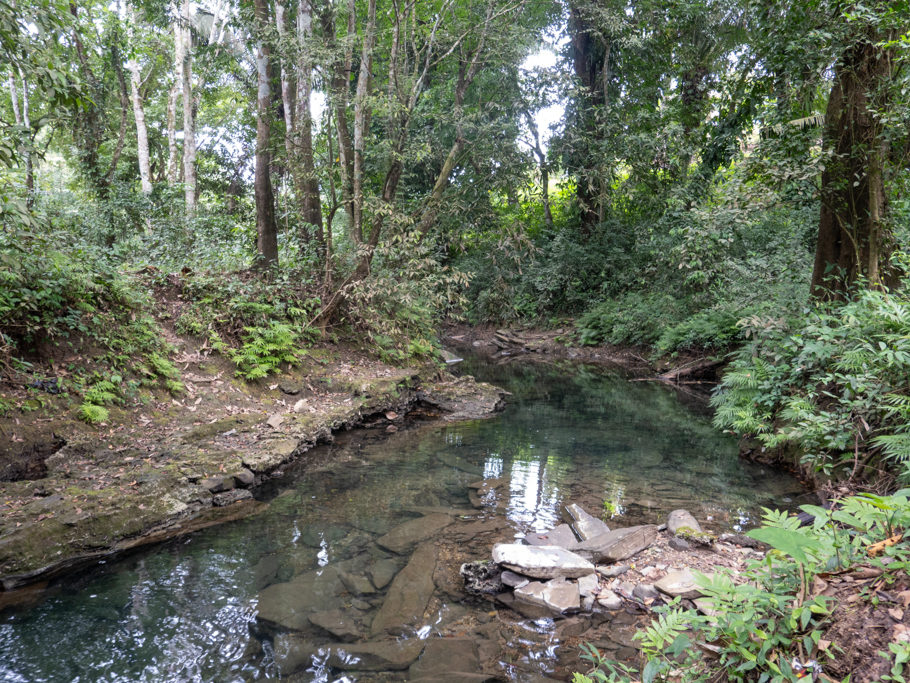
(572, 568)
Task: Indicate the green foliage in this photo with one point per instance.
(400, 305)
(768, 615)
(265, 349)
(93, 414)
(834, 383)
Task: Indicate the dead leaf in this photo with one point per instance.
(896, 614)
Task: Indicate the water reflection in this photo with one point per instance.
(187, 611)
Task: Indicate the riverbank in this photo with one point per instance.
(164, 466)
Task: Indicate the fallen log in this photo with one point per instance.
(694, 369)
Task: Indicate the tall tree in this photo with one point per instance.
(266, 227)
(855, 239)
(142, 137)
(189, 111)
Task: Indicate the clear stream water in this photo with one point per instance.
(186, 610)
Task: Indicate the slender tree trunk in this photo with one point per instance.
(854, 241)
(142, 137)
(361, 114)
(466, 76)
(173, 158)
(266, 227)
(123, 92)
(189, 124)
(23, 120)
(307, 185)
(339, 96)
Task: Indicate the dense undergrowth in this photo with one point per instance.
(832, 385)
(86, 288)
(772, 620)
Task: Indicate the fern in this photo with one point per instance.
(265, 349)
(93, 414)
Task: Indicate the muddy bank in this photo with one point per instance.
(75, 494)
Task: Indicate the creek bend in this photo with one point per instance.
(194, 609)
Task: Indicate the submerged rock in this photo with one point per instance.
(585, 526)
(287, 606)
(541, 562)
(405, 536)
(447, 659)
(409, 594)
(382, 655)
(382, 572)
(337, 623)
(357, 584)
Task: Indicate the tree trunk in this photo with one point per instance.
(173, 158)
(312, 204)
(266, 227)
(189, 124)
(142, 137)
(854, 242)
(339, 96)
(361, 114)
(591, 63)
(23, 120)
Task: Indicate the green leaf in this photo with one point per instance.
(792, 543)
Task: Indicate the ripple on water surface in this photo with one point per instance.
(190, 610)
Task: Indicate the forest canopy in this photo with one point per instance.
(724, 174)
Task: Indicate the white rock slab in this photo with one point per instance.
(541, 561)
(585, 526)
(679, 584)
(558, 595)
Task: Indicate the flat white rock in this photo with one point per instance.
(558, 595)
(586, 526)
(680, 583)
(541, 561)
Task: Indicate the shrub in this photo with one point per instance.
(834, 383)
(770, 614)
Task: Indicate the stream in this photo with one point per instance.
(274, 595)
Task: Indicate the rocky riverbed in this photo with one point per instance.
(586, 581)
(178, 464)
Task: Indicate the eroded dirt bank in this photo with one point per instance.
(167, 466)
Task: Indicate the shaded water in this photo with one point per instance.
(187, 610)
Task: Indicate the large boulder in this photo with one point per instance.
(618, 544)
(542, 561)
(585, 526)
